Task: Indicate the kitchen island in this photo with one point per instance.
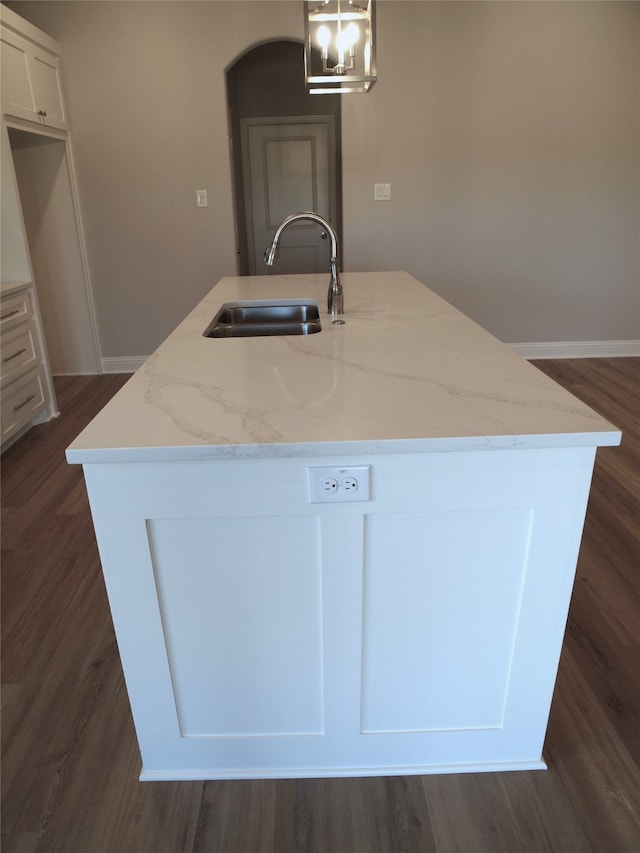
(346, 553)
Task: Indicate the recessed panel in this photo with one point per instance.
(289, 169)
(15, 72)
(295, 258)
(240, 601)
(47, 83)
(441, 608)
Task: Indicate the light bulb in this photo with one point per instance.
(351, 34)
(324, 37)
(347, 38)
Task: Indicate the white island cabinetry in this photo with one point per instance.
(264, 634)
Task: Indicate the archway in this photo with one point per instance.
(280, 158)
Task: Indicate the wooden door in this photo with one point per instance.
(289, 166)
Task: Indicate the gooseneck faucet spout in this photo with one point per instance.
(335, 298)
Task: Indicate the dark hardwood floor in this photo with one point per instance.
(69, 756)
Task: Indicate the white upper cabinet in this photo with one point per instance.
(31, 84)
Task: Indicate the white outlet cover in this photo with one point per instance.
(316, 476)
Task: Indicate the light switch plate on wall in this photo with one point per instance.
(382, 192)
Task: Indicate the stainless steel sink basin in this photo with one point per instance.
(265, 317)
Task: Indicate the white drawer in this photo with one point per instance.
(21, 402)
(19, 351)
(15, 309)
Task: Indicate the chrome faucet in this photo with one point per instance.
(335, 299)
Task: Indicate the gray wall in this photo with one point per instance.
(509, 133)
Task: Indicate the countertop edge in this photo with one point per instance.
(456, 444)
(7, 288)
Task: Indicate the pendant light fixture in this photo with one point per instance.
(339, 46)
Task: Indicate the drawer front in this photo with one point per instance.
(19, 351)
(15, 309)
(21, 402)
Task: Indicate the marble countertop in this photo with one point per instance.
(406, 373)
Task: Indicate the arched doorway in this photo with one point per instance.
(286, 157)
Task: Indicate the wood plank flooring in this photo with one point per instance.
(69, 757)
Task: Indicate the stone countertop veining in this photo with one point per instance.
(406, 373)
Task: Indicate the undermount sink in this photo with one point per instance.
(265, 317)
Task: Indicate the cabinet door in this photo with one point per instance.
(31, 87)
(44, 68)
(17, 92)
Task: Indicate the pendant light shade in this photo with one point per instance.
(340, 52)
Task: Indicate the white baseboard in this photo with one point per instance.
(578, 349)
(123, 363)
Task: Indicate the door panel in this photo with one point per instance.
(270, 661)
(289, 167)
(290, 176)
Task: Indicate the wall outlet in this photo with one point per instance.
(335, 485)
(328, 485)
